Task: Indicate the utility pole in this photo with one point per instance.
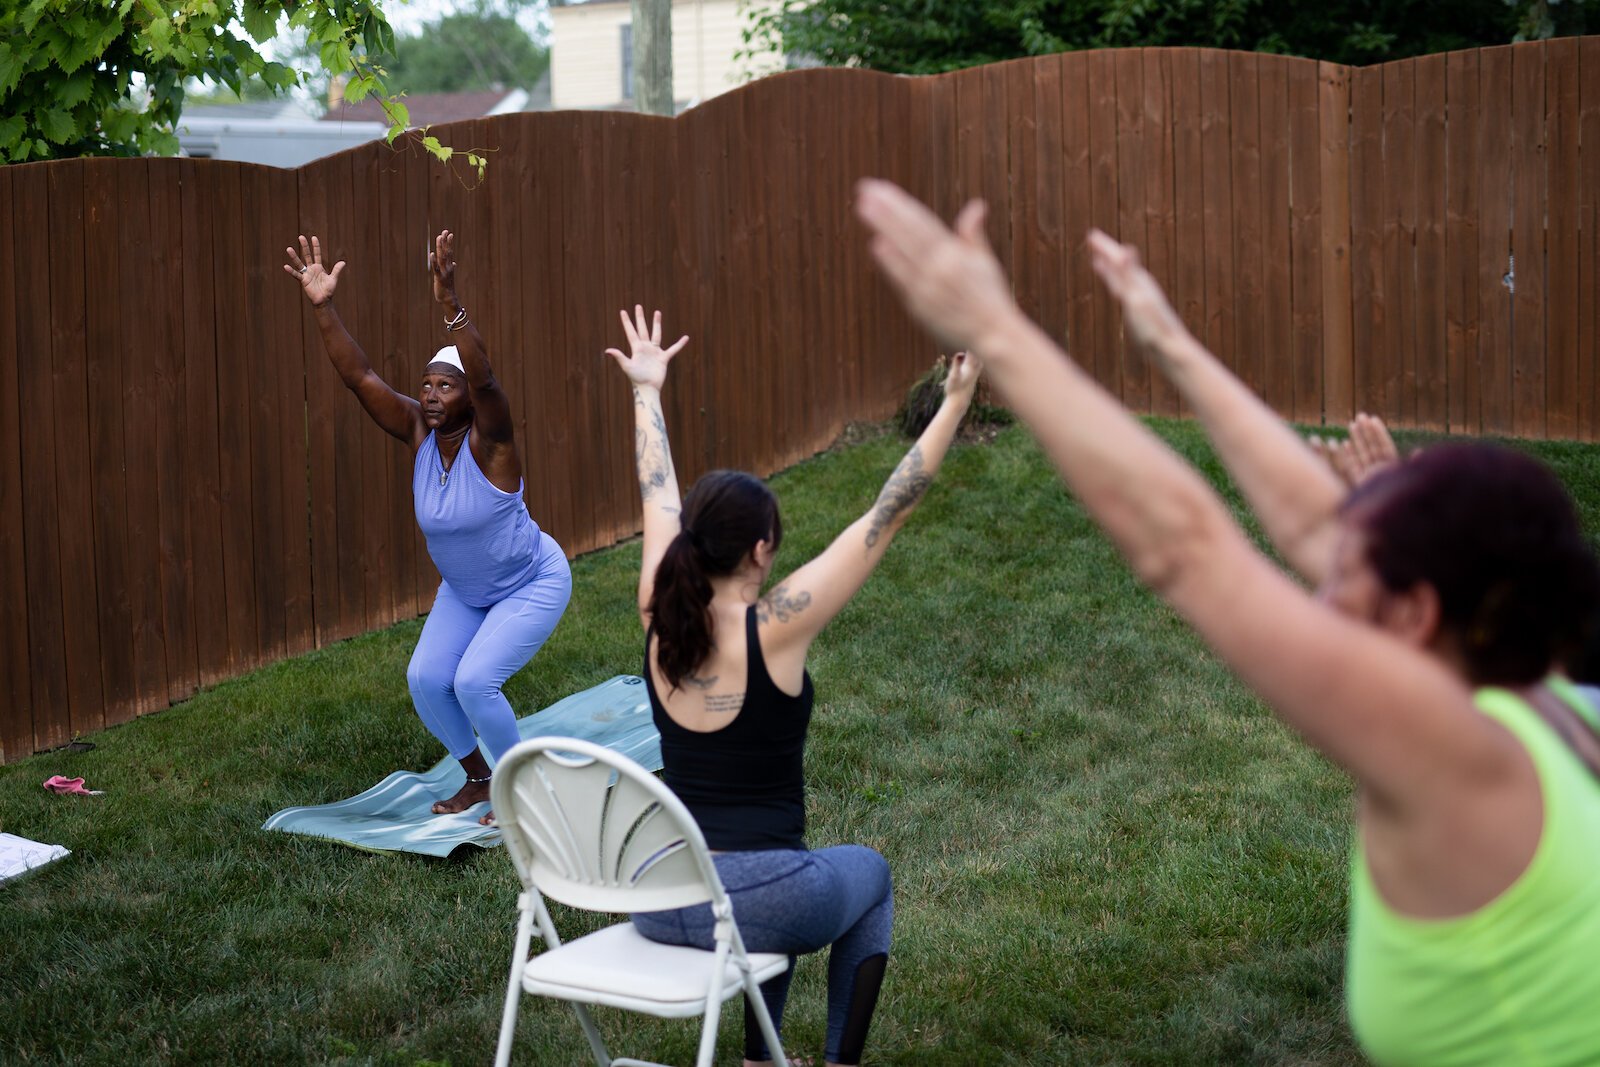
(652, 56)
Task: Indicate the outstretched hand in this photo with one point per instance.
(306, 267)
(442, 267)
(962, 381)
(950, 279)
(1146, 313)
(1369, 449)
(648, 363)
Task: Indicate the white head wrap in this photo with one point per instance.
(449, 355)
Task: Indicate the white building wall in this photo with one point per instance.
(586, 51)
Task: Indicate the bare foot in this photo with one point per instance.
(470, 794)
(486, 819)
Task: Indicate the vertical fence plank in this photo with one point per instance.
(142, 271)
(173, 471)
(47, 641)
(1104, 212)
(1028, 279)
(382, 287)
(1050, 178)
(199, 184)
(1249, 299)
(283, 304)
(1528, 205)
(1366, 227)
(1433, 376)
(1396, 383)
(109, 379)
(16, 685)
(1077, 209)
(74, 463)
(324, 396)
(1216, 158)
(1338, 253)
(1560, 400)
(1463, 142)
(1129, 146)
(1494, 238)
(1160, 209)
(351, 427)
(285, 354)
(1188, 192)
(233, 423)
(1277, 334)
(1588, 237)
(1305, 242)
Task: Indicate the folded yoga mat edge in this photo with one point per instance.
(395, 815)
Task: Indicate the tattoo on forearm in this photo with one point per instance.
(724, 702)
(701, 684)
(651, 454)
(900, 494)
(779, 605)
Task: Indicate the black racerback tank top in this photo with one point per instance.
(744, 783)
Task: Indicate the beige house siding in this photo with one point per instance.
(586, 51)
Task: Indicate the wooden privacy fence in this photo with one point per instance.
(191, 493)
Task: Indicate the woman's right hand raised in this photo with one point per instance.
(647, 365)
(306, 267)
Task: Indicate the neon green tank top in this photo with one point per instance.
(1518, 980)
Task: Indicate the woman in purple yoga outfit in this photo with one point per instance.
(506, 583)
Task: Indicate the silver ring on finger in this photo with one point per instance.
(302, 270)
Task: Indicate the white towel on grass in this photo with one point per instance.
(18, 855)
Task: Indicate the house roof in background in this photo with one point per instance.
(272, 110)
(428, 109)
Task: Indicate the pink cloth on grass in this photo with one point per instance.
(57, 784)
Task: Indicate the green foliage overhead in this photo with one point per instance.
(468, 52)
(932, 36)
(106, 77)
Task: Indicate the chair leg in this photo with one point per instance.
(708, 1033)
(592, 1032)
(508, 1017)
(758, 1004)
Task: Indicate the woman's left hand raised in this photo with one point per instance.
(962, 381)
(647, 365)
(442, 267)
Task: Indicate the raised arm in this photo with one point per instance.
(399, 415)
(795, 610)
(491, 411)
(646, 368)
(1294, 493)
(1367, 700)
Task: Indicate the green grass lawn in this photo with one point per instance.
(1105, 850)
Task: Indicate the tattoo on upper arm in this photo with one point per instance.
(650, 452)
(724, 702)
(778, 604)
(900, 493)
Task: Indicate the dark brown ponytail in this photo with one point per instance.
(724, 516)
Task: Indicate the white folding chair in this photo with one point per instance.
(594, 830)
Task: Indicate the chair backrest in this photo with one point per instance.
(591, 828)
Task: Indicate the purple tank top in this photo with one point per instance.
(481, 538)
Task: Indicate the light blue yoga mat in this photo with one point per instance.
(393, 815)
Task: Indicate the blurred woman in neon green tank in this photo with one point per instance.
(1450, 588)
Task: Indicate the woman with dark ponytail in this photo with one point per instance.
(725, 668)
